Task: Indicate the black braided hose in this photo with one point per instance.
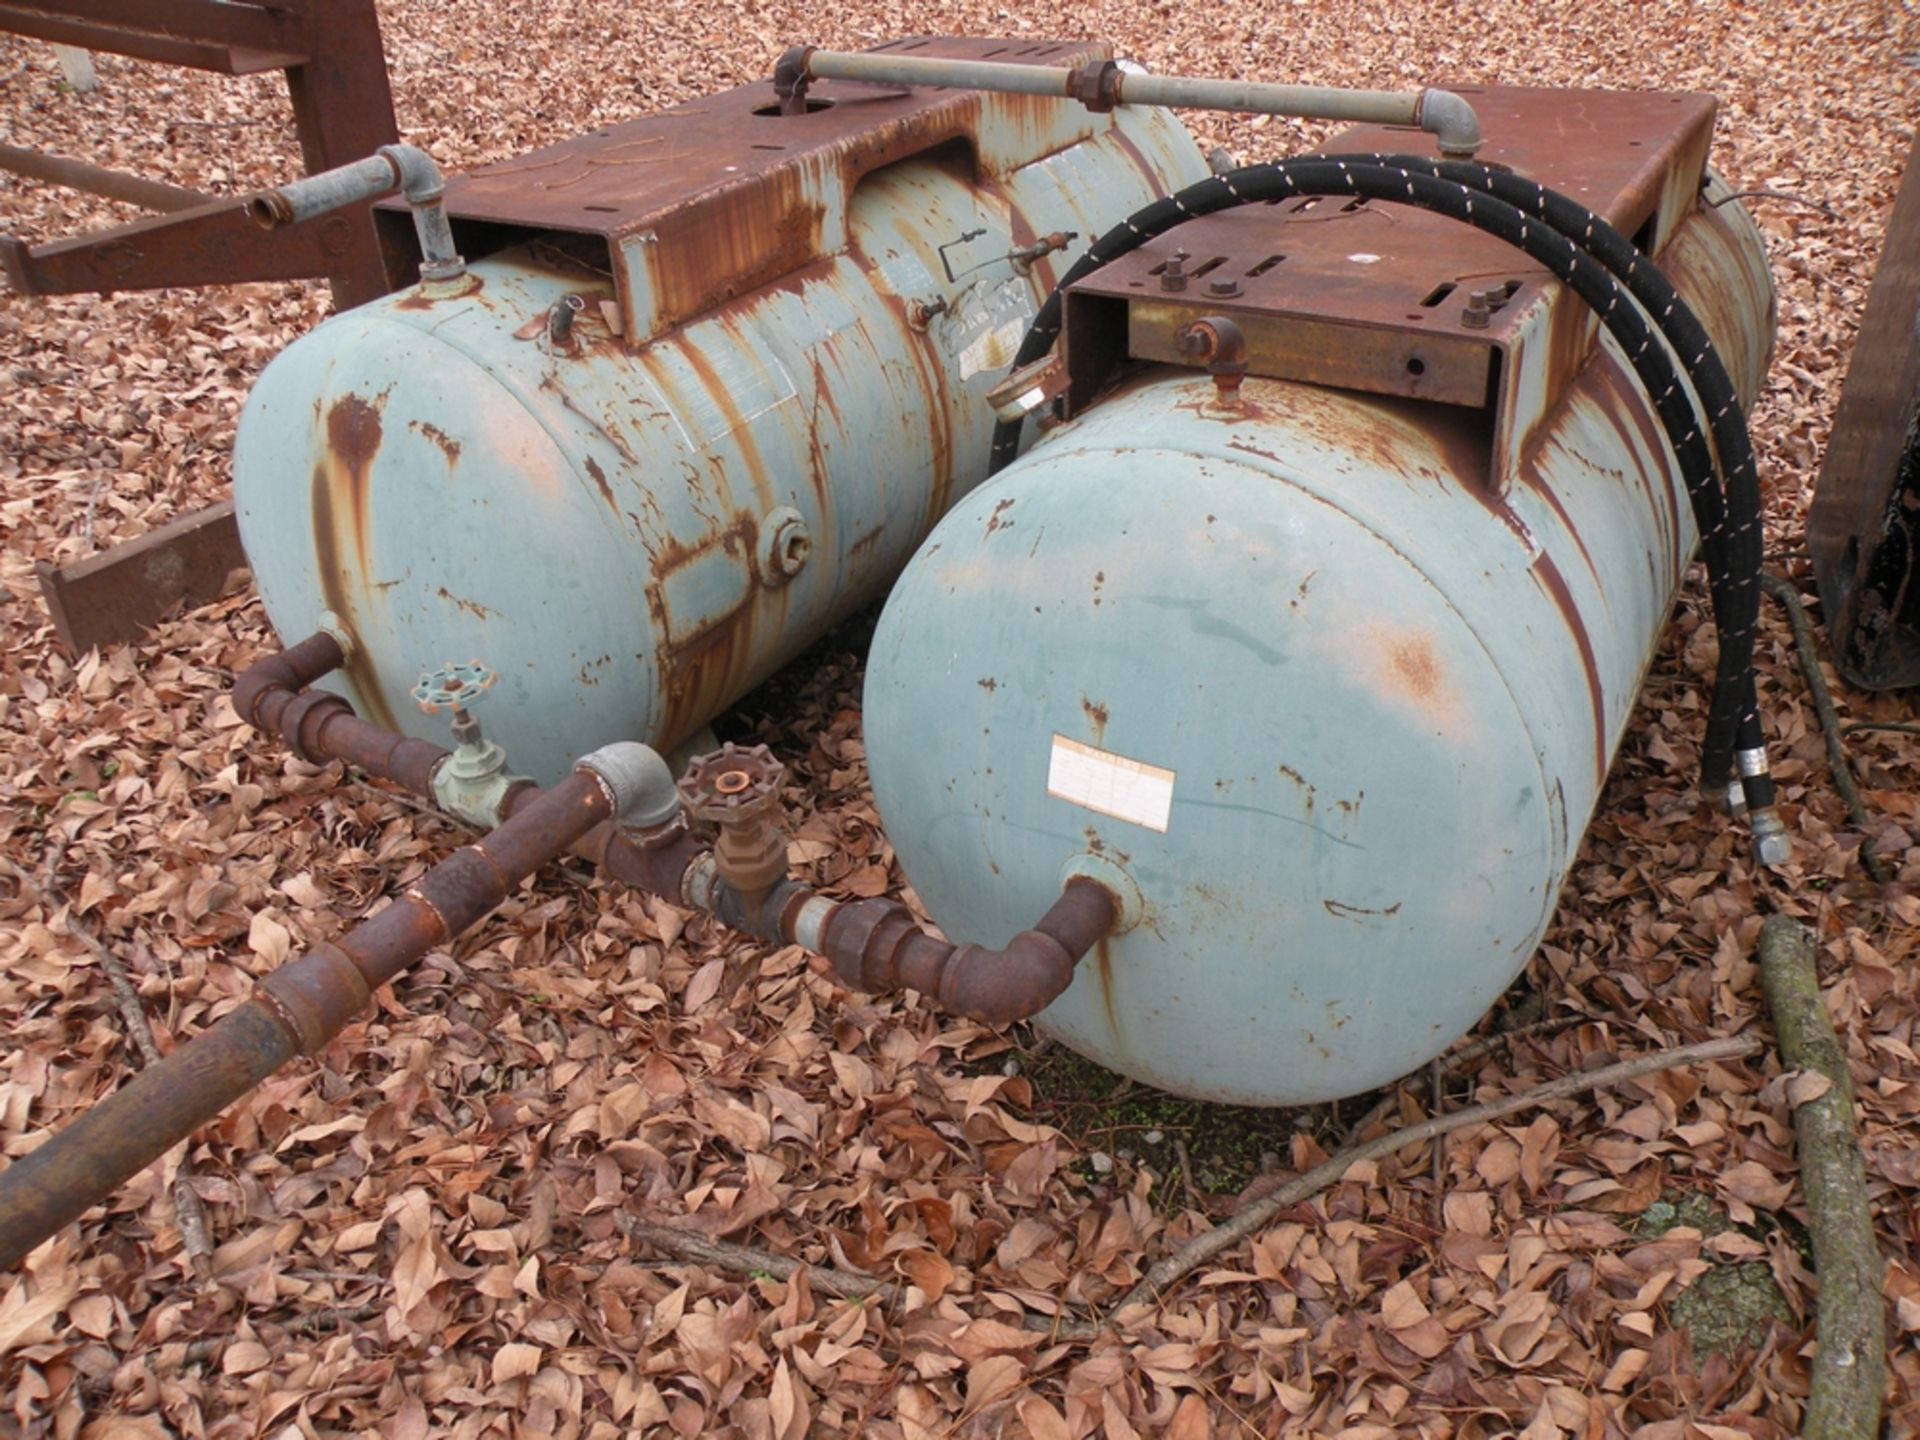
(1733, 544)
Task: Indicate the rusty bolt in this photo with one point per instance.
(1477, 312)
(1173, 275)
(1223, 289)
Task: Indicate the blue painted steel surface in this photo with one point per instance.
(1374, 697)
(585, 516)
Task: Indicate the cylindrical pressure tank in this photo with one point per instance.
(635, 468)
(1329, 680)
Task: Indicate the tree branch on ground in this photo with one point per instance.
(1850, 1370)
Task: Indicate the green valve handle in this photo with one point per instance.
(454, 686)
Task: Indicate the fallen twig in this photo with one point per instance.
(1457, 1063)
(743, 1260)
(1783, 591)
(195, 1236)
(1890, 727)
(1169, 1271)
(1850, 1370)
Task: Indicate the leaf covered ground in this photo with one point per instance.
(422, 1235)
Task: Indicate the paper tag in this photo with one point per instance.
(1129, 790)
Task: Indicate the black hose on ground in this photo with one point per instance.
(1565, 256)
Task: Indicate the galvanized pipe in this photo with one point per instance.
(406, 168)
(97, 180)
(1102, 86)
(295, 1010)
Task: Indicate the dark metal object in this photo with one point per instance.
(1218, 344)
(736, 790)
(119, 594)
(877, 946)
(96, 180)
(1864, 524)
(295, 1010)
(1344, 295)
(337, 79)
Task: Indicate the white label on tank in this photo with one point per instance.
(1129, 790)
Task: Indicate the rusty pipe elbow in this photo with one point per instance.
(290, 670)
(875, 946)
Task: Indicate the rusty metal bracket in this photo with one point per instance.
(119, 594)
(343, 109)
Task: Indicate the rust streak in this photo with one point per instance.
(1103, 968)
(600, 481)
(1547, 575)
(1340, 910)
(353, 439)
(449, 446)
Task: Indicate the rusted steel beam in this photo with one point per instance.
(343, 109)
(1864, 525)
(295, 1010)
(75, 24)
(214, 244)
(97, 180)
(251, 26)
(120, 593)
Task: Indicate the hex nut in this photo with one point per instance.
(785, 545)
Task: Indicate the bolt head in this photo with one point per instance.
(1773, 850)
(1223, 288)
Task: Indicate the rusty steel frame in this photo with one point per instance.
(336, 73)
(1864, 524)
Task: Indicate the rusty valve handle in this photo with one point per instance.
(295, 1010)
(736, 789)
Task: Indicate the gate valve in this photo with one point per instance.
(472, 782)
(736, 790)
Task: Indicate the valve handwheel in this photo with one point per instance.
(732, 784)
(454, 686)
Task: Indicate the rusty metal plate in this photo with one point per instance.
(121, 593)
(1369, 296)
(1864, 525)
(724, 150)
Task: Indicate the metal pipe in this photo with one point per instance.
(295, 1010)
(406, 168)
(97, 180)
(877, 947)
(1102, 85)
